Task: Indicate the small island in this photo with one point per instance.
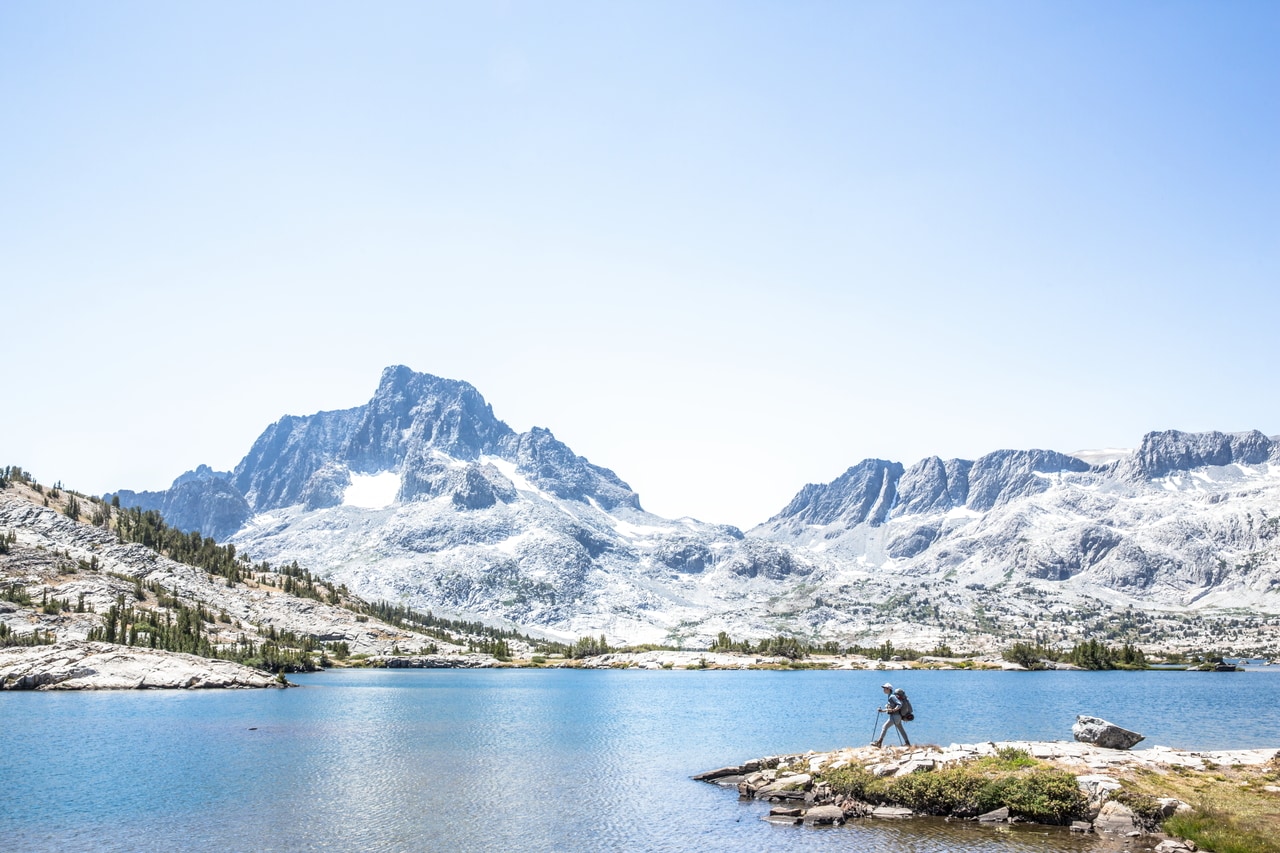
(1174, 800)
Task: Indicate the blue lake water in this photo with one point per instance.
(537, 760)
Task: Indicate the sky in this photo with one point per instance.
(722, 248)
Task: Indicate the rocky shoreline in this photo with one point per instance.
(78, 665)
(797, 784)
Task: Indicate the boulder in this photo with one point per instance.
(891, 812)
(786, 788)
(1099, 732)
(1000, 815)
(782, 820)
(1170, 806)
(820, 795)
(824, 816)
(1096, 786)
(713, 775)
(855, 808)
(1081, 826)
(1116, 818)
(1175, 845)
(916, 765)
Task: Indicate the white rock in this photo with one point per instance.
(104, 666)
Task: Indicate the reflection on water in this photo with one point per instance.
(936, 835)
(533, 760)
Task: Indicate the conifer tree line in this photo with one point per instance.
(1090, 654)
(14, 474)
(181, 628)
(794, 648)
(147, 528)
(33, 638)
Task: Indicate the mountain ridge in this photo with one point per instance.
(491, 522)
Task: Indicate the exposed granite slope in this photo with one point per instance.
(106, 666)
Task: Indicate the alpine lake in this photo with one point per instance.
(542, 759)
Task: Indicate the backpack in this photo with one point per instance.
(905, 712)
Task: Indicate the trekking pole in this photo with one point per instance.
(875, 728)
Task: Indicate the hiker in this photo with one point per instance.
(893, 706)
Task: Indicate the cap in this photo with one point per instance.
(887, 686)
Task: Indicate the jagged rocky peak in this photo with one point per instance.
(1165, 452)
(875, 490)
(864, 493)
(932, 485)
(201, 472)
(433, 437)
(553, 467)
(278, 469)
(412, 412)
(412, 419)
(1007, 474)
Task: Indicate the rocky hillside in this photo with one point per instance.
(60, 576)
(422, 495)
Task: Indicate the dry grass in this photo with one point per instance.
(1233, 811)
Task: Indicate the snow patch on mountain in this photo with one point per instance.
(1102, 456)
(372, 491)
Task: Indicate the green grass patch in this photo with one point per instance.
(1007, 758)
(1220, 832)
(1032, 791)
(1231, 811)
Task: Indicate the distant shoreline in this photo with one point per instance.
(706, 660)
(84, 665)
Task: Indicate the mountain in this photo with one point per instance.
(1186, 520)
(1186, 515)
(423, 495)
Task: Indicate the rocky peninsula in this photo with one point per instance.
(76, 665)
(1125, 796)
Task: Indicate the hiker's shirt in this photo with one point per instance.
(894, 705)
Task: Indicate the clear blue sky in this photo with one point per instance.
(722, 248)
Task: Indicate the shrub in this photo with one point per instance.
(955, 791)
(1040, 794)
(1044, 796)
(1144, 806)
(856, 782)
(1008, 758)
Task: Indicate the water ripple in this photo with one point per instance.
(514, 761)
